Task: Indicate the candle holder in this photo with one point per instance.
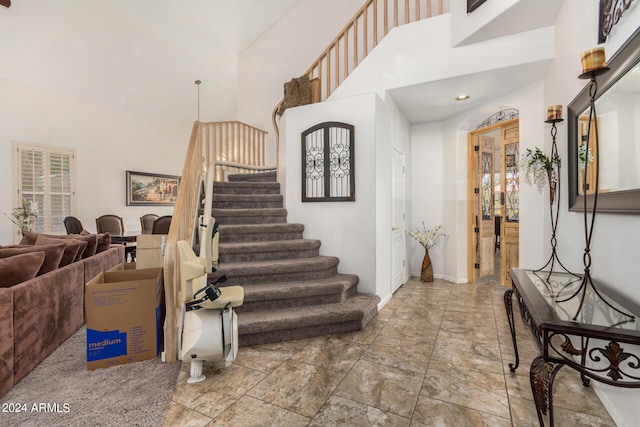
(554, 115)
(591, 72)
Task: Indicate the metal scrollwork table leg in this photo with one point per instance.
(508, 304)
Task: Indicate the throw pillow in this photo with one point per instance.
(29, 238)
(104, 242)
(52, 254)
(71, 248)
(19, 268)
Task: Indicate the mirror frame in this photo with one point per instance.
(623, 201)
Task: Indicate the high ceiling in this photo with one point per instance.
(141, 55)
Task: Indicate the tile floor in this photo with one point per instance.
(436, 355)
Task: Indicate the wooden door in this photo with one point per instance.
(486, 217)
(509, 201)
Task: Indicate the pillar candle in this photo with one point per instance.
(593, 59)
(554, 112)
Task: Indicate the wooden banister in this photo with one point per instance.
(351, 45)
(233, 146)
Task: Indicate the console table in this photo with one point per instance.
(600, 344)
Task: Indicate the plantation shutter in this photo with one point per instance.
(46, 175)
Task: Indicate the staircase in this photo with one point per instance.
(290, 291)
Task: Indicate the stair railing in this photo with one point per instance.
(361, 34)
(234, 147)
(229, 146)
(371, 23)
(182, 224)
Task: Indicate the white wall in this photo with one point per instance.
(108, 142)
(498, 18)
(284, 51)
(403, 59)
(614, 247)
(346, 229)
(356, 232)
(429, 176)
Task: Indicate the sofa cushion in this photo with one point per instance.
(29, 238)
(20, 268)
(52, 254)
(92, 243)
(71, 248)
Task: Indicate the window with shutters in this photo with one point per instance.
(46, 175)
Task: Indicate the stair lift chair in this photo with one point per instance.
(209, 327)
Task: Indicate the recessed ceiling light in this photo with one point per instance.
(462, 97)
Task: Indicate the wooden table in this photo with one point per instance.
(130, 245)
(596, 338)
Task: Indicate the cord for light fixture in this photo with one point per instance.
(197, 82)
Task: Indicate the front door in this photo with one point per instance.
(485, 205)
(493, 201)
(509, 201)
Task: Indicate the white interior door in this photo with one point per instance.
(397, 220)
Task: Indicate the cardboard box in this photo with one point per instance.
(149, 250)
(124, 317)
(123, 266)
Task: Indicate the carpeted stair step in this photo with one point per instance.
(253, 177)
(258, 327)
(262, 251)
(254, 273)
(278, 295)
(259, 232)
(250, 216)
(246, 187)
(247, 201)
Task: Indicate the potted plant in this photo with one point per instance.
(24, 216)
(539, 169)
(427, 238)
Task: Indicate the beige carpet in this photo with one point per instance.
(62, 392)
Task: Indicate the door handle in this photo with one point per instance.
(394, 228)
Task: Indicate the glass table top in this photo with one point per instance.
(564, 292)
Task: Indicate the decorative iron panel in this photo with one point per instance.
(487, 186)
(512, 181)
(328, 163)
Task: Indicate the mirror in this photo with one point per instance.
(618, 109)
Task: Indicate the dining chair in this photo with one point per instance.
(72, 225)
(111, 224)
(146, 222)
(161, 225)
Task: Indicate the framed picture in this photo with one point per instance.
(473, 5)
(151, 189)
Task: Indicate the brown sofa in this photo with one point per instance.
(39, 314)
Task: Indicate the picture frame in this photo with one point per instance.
(151, 189)
(473, 5)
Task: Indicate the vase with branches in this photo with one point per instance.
(427, 238)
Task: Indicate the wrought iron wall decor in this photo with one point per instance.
(610, 13)
(512, 182)
(328, 163)
(473, 5)
(500, 116)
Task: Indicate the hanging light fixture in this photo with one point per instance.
(197, 82)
